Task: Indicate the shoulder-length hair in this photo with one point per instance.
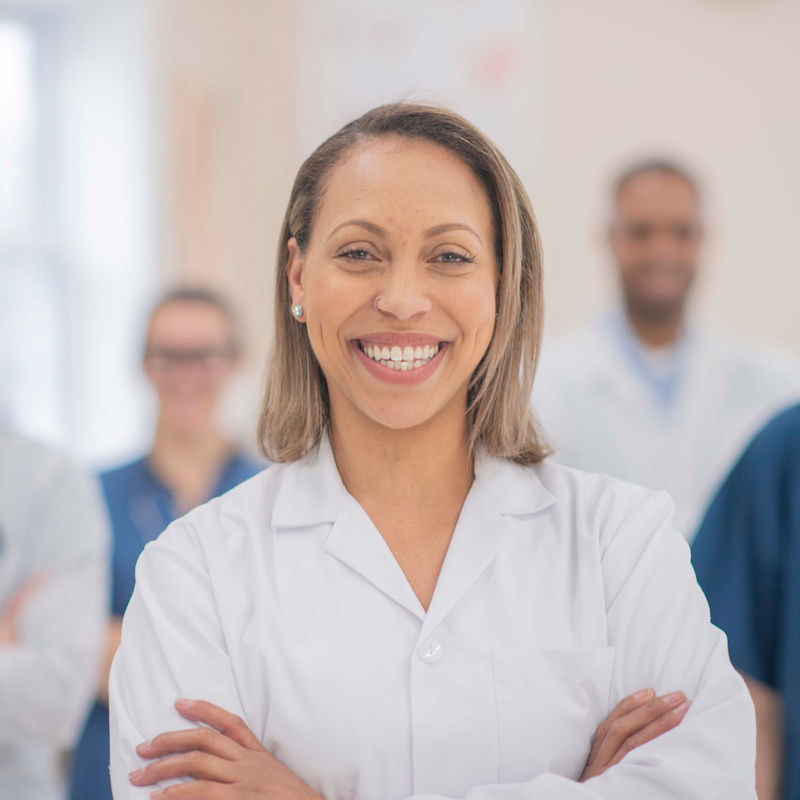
(296, 408)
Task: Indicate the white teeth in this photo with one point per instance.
(403, 360)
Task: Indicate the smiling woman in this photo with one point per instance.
(415, 602)
(409, 185)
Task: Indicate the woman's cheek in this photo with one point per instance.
(474, 309)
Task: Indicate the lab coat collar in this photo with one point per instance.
(311, 490)
(501, 491)
(312, 493)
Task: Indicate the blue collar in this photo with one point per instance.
(664, 386)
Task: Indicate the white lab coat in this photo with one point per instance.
(602, 417)
(53, 522)
(561, 593)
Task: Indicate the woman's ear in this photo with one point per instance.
(294, 273)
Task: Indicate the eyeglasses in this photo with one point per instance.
(208, 359)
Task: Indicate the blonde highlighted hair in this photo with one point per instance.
(296, 408)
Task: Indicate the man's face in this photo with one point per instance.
(656, 238)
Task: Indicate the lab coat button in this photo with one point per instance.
(430, 651)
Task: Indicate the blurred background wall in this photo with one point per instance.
(161, 138)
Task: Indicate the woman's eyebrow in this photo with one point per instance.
(370, 226)
(450, 226)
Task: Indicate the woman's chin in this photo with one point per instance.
(401, 418)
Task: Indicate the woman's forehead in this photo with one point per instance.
(406, 184)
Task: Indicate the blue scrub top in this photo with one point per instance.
(747, 559)
(140, 507)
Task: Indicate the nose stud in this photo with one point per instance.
(297, 311)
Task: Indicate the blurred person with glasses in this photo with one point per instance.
(53, 612)
(647, 393)
(192, 350)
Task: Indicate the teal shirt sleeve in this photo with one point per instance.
(745, 554)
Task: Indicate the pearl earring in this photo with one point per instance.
(297, 311)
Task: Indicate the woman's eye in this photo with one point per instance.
(357, 254)
(451, 257)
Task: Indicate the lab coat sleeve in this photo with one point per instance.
(658, 621)
(48, 677)
(172, 646)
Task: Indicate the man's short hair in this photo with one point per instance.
(663, 165)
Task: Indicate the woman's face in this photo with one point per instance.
(398, 282)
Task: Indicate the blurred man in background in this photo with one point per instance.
(643, 395)
(747, 558)
(53, 612)
(192, 350)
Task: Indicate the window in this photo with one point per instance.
(33, 390)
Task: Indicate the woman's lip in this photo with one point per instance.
(408, 378)
(400, 339)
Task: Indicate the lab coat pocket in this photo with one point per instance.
(549, 704)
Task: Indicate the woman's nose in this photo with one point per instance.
(404, 295)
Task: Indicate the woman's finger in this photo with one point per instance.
(668, 721)
(195, 790)
(625, 727)
(223, 721)
(200, 766)
(623, 708)
(204, 739)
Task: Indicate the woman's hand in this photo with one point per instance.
(226, 760)
(637, 719)
(9, 619)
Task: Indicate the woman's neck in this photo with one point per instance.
(412, 484)
(188, 465)
(426, 463)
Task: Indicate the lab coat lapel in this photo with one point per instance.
(356, 542)
(312, 493)
(501, 491)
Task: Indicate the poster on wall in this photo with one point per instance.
(484, 60)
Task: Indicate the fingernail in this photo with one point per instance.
(135, 774)
(182, 702)
(640, 695)
(142, 746)
(681, 709)
(675, 697)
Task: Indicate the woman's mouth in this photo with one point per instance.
(406, 362)
(404, 359)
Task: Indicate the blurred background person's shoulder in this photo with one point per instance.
(53, 606)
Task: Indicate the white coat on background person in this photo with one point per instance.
(53, 609)
(601, 414)
(644, 393)
(414, 602)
